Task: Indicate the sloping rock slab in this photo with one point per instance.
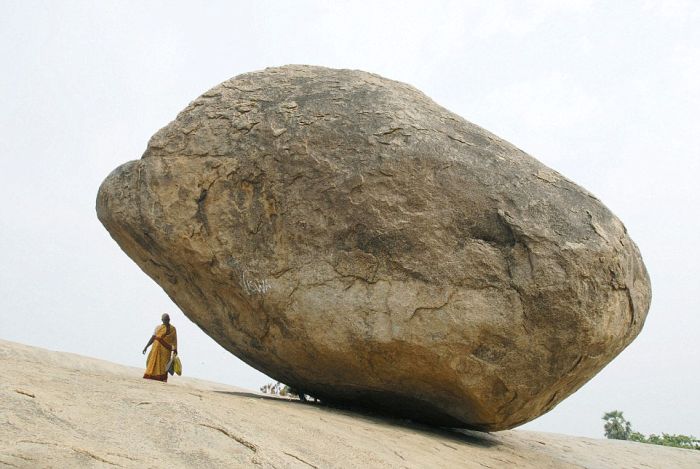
(58, 416)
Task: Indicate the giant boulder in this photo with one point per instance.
(346, 235)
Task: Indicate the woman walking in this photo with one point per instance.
(164, 340)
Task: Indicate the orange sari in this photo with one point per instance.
(165, 341)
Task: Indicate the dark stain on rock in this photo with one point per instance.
(201, 216)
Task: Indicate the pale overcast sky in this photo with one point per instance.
(607, 93)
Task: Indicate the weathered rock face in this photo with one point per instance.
(346, 235)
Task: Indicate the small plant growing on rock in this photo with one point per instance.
(271, 388)
(280, 389)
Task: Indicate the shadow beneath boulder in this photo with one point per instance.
(456, 435)
(257, 396)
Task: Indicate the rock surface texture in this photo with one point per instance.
(346, 235)
(78, 412)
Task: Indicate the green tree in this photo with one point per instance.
(616, 427)
(677, 441)
(638, 437)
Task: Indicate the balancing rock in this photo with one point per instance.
(346, 235)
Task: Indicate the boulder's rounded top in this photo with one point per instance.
(279, 109)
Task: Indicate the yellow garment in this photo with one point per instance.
(164, 341)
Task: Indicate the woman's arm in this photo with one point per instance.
(150, 341)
